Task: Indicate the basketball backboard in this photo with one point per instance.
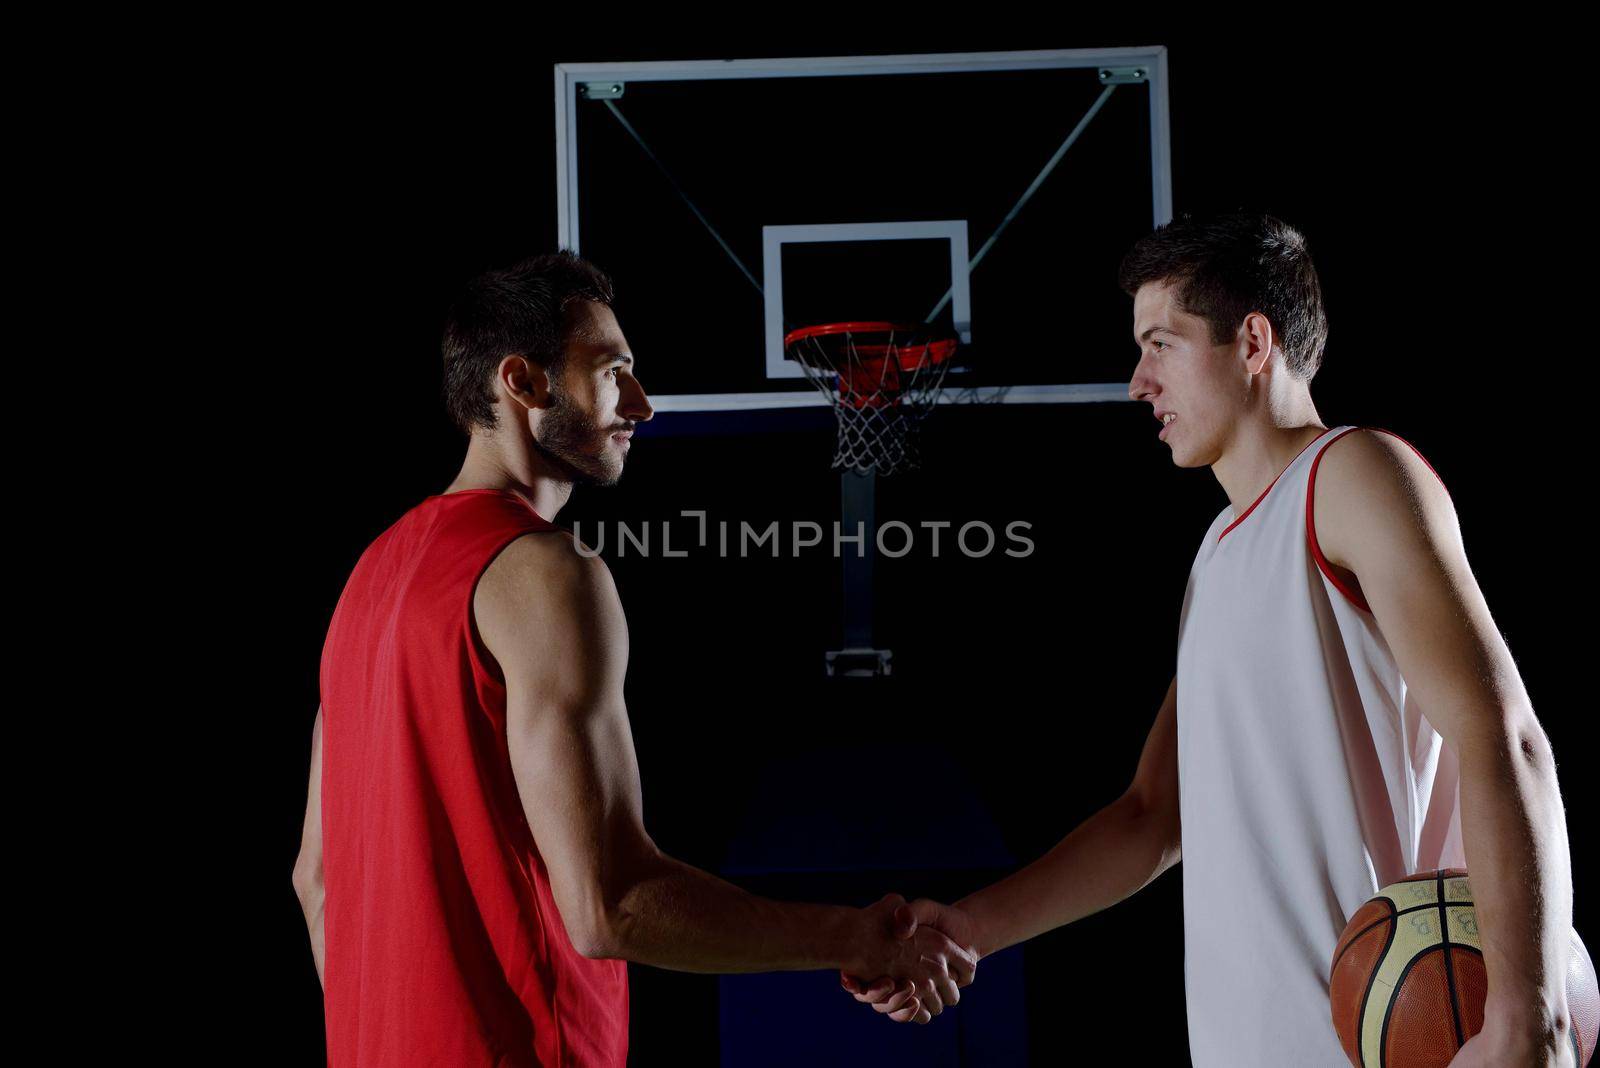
(993, 193)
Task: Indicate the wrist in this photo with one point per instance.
(1529, 1025)
(854, 934)
(982, 934)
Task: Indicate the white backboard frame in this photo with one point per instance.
(568, 77)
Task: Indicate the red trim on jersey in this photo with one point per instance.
(1268, 490)
(1353, 596)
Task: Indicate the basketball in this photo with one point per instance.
(1407, 986)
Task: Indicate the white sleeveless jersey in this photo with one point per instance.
(1307, 780)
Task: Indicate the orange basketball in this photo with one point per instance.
(1408, 985)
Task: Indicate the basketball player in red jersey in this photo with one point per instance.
(1345, 710)
(475, 868)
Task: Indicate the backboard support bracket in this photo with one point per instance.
(858, 663)
(1124, 75)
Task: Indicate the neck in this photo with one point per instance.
(500, 460)
(1259, 450)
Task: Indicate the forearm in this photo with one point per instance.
(312, 900)
(1110, 856)
(676, 916)
(1515, 834)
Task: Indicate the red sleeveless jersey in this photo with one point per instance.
(443, 942)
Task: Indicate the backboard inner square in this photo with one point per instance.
(774, 238)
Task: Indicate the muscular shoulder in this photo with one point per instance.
(541, 593)
(1375, 494)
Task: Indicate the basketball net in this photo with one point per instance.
(882, 380)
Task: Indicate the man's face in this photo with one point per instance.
(1201, 385)
(594, 400)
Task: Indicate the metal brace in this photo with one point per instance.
(858, 663)
(1123, 75)
(600, 90)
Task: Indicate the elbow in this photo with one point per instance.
(1170, 841)
(596, 927)
(601, 913)
(1514, 739)
(598, 950)
(594, 940)
(1533, 744)
(601, 935)
(307, 879)
(1158, 822)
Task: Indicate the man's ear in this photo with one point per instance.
(524, 381)
(1255, 342)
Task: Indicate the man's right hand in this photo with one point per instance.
(933, 956)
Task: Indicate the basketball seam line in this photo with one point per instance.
(1449, 964)
(1372, 977)
(1393, 916)
(1394, 995)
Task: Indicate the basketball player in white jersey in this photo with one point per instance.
(1345, 711)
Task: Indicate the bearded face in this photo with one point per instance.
(594, 401)
(573, 440)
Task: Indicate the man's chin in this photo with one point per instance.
(607, 467)
(581, 469)
(1180, 457)
(596, 473)
(1192, 458)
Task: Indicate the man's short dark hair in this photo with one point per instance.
(1224, 267)
(520, 310)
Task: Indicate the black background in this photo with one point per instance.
(355, 184)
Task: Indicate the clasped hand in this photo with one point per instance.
(919, 964)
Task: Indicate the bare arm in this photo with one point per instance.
(308, 865)
(1384, 517)
(1110, 856)
(553, 621)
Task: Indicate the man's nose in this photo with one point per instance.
(1141, 385)
(635, 405)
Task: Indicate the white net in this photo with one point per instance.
(882, 381)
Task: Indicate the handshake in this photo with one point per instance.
(916, 961)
